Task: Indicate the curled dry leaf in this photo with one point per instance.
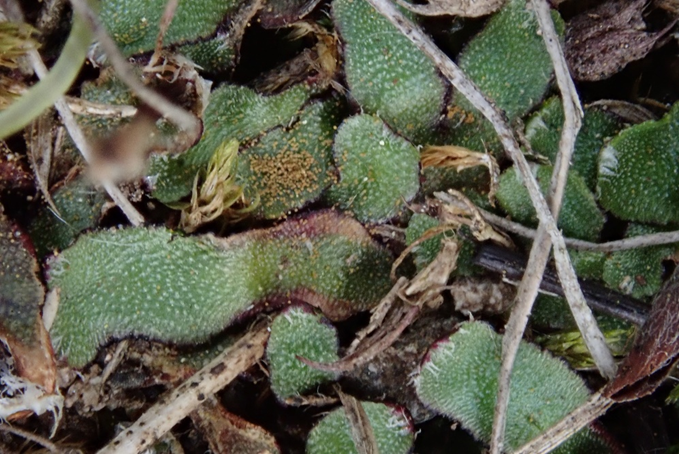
(378, 314)
(227, 432)
(462, 158)
(29, 386)
(655, 351)
(178, 76)
(427, 285)
(400, 307)
(317, 66)
(21, 295)
(602, 41)
(398, 318)
(464, 8)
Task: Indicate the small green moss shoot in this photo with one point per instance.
(219, 195)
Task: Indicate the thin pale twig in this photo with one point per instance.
(636, 242)
(176, 114)
(582, 416)
(539, 254)
(114, 362)
(85, 148)
(362, 432)
(511, 266)
(403, 316)
(74, 129)
(467, 88)
(165, 21)
(591, 334)
(161, 417)
(84, 107)
(30, 436)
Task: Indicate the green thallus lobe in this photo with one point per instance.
(154, 283)
(393, 431)
(298, 331)
(459, 378)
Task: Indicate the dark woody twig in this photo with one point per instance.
(603, 300)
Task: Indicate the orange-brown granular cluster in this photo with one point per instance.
(289, 173)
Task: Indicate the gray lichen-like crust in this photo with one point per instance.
(297, 331)
(639, 172)
(379, 171)
(155, 283)
(459, 378)
(387, 75)
(393, 431)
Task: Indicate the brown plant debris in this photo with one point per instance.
(602, 41)
(464, 8)
(458, 210)
(21, 295)
(279, 13)
(655, 352)
(462, 158)
(13, 172)
(226, 432)
(361, 431)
